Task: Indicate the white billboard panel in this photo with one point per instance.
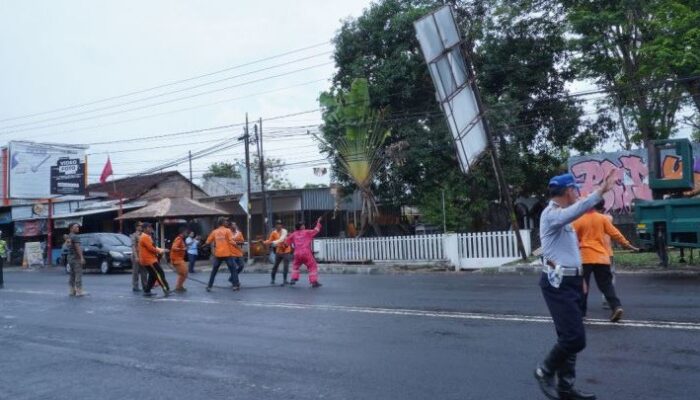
(42, 170)
(440, 41)
(429, 37)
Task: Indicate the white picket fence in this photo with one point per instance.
(394, 248)
(463, 251)
(491, 249)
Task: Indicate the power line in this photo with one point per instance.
(169, 101)
(163, 94)
(167, 84)
(252, 95)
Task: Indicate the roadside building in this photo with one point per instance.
(293, 205)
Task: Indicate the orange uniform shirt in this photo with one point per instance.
(177, 250)
(281, 247)
(592, 229)
(148, 253)
(236, 249)
(223, 242)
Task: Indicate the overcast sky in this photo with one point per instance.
(57, 54)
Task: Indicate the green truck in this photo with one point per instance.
(672, 217)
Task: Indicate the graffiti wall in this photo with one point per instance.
(632, 171)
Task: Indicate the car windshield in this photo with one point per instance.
(115, 240)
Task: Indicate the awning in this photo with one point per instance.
(128, 206)
(174, 207)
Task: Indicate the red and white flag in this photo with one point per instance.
(106, 171)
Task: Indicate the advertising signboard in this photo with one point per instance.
(440, 41)
(42, 170)
(68, 177)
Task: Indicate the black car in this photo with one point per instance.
(106, 251)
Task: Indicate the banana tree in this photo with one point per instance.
(359, 148)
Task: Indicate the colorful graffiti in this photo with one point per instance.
(632, 173)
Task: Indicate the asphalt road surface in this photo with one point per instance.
(440, 336)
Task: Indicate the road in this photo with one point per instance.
(421, 336)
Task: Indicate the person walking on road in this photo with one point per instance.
(3, 254)
(561, 283)
(76, 261)
(149, 256)
(302, 239)
(600, 207)
(192, 243)
(222, 239)
(283, 252)
(138, 273)
(177, 259)
(593, 230)
(237, 250)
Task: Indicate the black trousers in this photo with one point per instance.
(155, 273)
(565, 304)
(604, 279)
(2, 278)
(232, 267)
(281, 258)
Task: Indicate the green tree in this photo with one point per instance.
(520, 57)
(275, 172)
(674, 48)
(355, 135)
(609, 48)
(222, 170)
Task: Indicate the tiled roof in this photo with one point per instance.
(178, 207)
(135, 186)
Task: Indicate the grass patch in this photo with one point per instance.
(628, 259)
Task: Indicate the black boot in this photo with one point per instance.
(567, 378)
(544, 373)
(546, 382)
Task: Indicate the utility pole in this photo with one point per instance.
(444, 218)
(505, 191)
(261, 158)
(246, 137)
(191, 182)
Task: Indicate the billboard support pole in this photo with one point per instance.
(498, 170)
(49, 234)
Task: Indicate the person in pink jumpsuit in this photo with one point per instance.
(302, 239)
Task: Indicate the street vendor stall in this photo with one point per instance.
(172, 208)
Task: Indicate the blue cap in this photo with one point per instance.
(563, 181)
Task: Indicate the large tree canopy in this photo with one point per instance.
(520, 56)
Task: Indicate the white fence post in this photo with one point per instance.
(450, 245)
(320, 249)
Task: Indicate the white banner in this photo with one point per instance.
(33, 254)
(39, 170)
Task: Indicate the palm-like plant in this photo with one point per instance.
(359, 148)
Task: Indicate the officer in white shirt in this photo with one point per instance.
(562, 284)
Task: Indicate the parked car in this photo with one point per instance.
(105, 251)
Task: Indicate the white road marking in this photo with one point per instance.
(451, 314)
(690, 326)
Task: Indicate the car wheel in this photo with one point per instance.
(104, 267)
(67, 268)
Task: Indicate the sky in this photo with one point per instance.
(95, 61)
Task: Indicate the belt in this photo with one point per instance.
(565, 271)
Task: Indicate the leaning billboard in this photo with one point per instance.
(43, 170)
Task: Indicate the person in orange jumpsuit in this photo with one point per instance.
(149, 256)
(222, 238)
(283, 252)
(177, 259)
(592, 228)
